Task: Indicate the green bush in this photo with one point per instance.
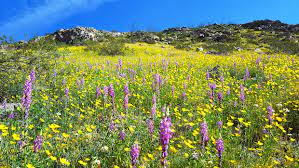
(111, 47)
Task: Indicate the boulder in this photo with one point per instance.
(77, 33)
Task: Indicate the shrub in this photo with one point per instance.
(111, 47)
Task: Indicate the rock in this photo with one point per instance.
(213, 52)
(199, 49)
(22, 42)
(257, 50)
(239, 48)
(75, 34)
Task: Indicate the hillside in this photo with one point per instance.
(214, 96)
(263, 35)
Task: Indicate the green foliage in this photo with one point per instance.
(112, 47)
(16, 63)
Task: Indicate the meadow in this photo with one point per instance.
(155, 106)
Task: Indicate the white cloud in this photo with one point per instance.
(46, 14)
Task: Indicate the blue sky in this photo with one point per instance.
(37, 17)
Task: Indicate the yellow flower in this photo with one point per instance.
(65, 135)
(53, 158)
(233, 161)
(31, 126)
(48, 152)
(3, 127)
(64, 161)
(150, 156)
(278, 119)
(16, 137)
(172, 149)
(82, 162)
(115, 166)
(131, 129)
(12, 142)
(88, 129)
(42, 120)
(289, 158)
(260, 143)
(29, 165)
(230, 124)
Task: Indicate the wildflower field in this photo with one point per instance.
(154, 107)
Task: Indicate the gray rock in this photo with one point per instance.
(77, 33)
(199, 49)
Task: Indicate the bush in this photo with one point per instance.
(111, 47)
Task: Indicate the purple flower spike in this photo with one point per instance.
(134, 155)
(154, 100)
(126, 89)
(37, 143)
(172, 91)
(219, 124)
(26, 100)
(11, 115)
(165, 136)
(204, 133)
(228, 91)
(126, 102)
(207, 75)
(98, 92)
(122, 135)
(111, 92)
(67, 92)
(247, 73)
(32, 75)
(150, 126)
(270, 114)
(220, 150)
(220, 97)
(221, 79)
(242, 96)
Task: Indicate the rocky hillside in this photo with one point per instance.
(261, 35)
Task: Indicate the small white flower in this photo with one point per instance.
(279, 105)
(104, 148)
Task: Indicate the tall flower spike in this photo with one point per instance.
(37, 143)
(204, 133)
(134, 155)
(122, 135)
(26, 100)
(270, 114)
(111, 93)
(220, 150)
(165, 136)
(32, 75)
(126, 89)
(67, 92)
(150, 126)
(98, 92)
(220, 97)
(126, 102)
